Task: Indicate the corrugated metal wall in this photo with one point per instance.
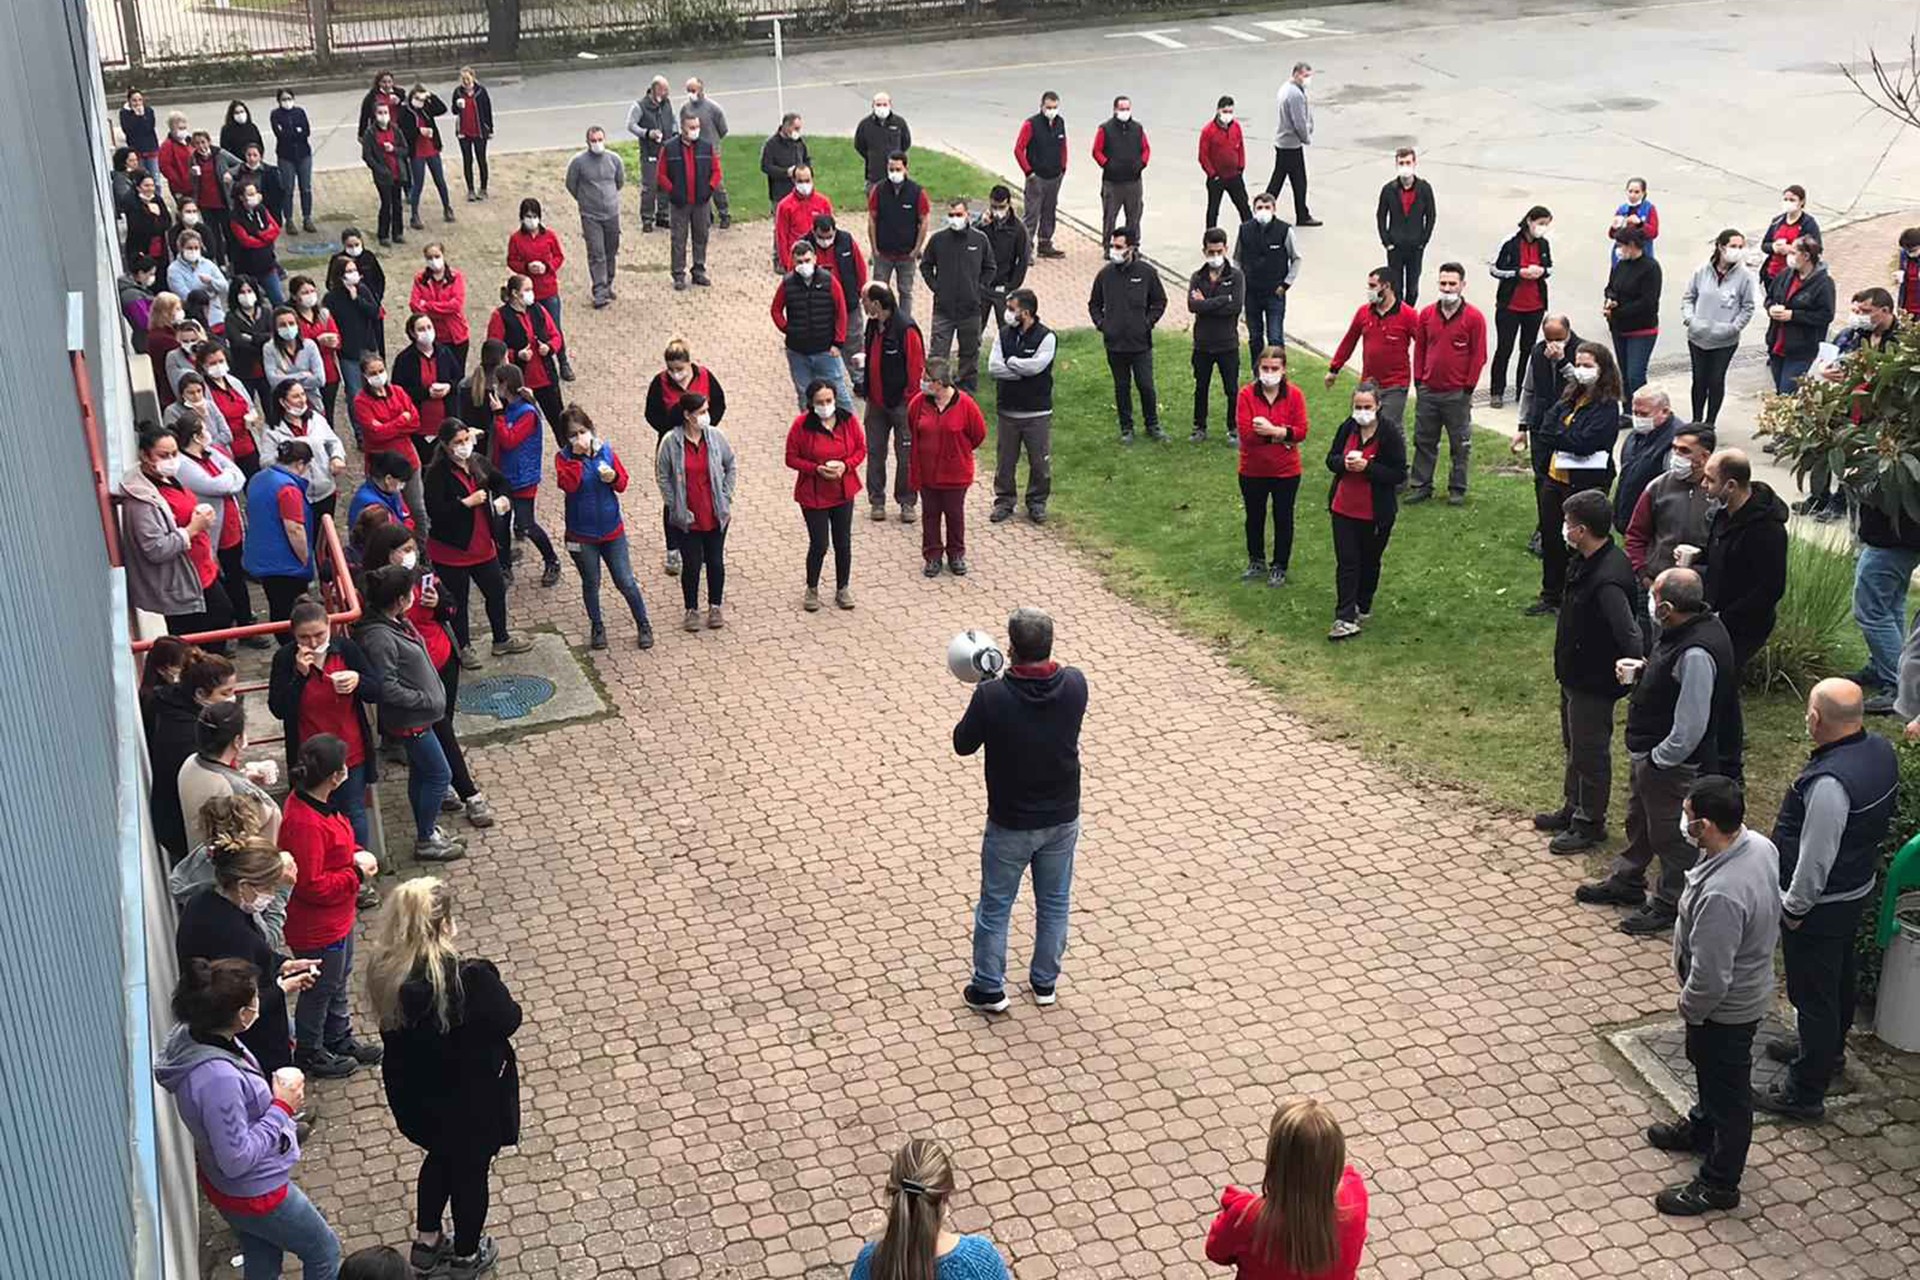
(76, 1128)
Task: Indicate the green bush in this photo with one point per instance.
(1814, 622)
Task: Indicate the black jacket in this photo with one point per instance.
(172, 739)
(1506, 269)
(1216, 317)
(358, 317)
(1812, 307)
(1030, 726)
(778, 156)
(1405, 228)
(1126, 302)
(234, 138)
(374, 156)
(1588, 429)
(482, 100)
(1642, 459)
(958, 267)
(417, 122)
(247, 337)
(1387, 471)
(663, 414)
(1541, 387)
(213, 927)
(1746, 571)
(458, 1090)
(876, 139)
(1878, 529)
(1010, 253)
(450, 519)
(286, 683)
(1596, 627)
(1262, 254)
(413, 374)
(1634, 286)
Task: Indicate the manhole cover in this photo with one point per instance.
(325, 248)
(504, 697)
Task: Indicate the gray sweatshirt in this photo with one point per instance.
(713, 121)
(1296, 119)
(1716, 308)
(594, 182)
(1729, 922)
(1691, 712)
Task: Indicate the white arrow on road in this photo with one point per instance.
(1238, 34)
(1301, 28)
(1162, 37)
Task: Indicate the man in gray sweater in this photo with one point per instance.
(1290, 143)
(594, 179)
(1723, 956)
(651, 121)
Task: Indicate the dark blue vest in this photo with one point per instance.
(1866, 766)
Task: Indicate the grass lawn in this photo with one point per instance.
(837, 172)
(1449, 683)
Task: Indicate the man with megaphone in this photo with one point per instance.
(1029, 722)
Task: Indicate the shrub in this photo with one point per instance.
(1876, 458)
(1813, 620)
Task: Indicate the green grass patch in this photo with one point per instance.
(1449, 683)
(838, 172)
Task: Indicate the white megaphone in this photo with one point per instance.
(972, 656)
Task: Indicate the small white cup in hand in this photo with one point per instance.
(607, 472)
(365, 861)
(290, 1086)
(263, 773)
(1627, 670)
(502, 505)
(1685, 554)
(203, 509)
(1354, 455)
(344, 681)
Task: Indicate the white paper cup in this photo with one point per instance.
(1685, 554)
(288, 1077)
(1627, 670)
(341, 679)
(266, 770)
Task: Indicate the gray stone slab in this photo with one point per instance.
(1657, 1051)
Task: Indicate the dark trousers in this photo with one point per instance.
(1634, 352)
(1266, 323)
(282, 595)
(1358, 547)
(824, 523)
(1823, 980)
(673, 534)
(1204, 364)
(233, 581)
(1255, 493)
(1131, 369)
(1234, 189)
(1730, 730)
(1709, 381)
(473, 151)
(1653, 830)
(459, 1177)
(320, 1015)
(216, 614)
(1290, 165)
(455, 582)
(525, 525)
(1011, 434)
(551, 407)
(707, 549)
(943, 508)
(1403, 271)
(1586, 734)
(1509, 326)
(389, 223)
(214, 224)
(1722, 1058)
(443, 731)
(1550, 496)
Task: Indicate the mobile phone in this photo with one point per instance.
(429, 581)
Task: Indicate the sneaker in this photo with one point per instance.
(475, 1264)
(1045, 250)
(446, 213)
(601, 304)
(716, 617)
(931, 569)
(1037, 514)
(1366, 616)
(1691, 1199)
(566, 368)
(1000, 515)
(645, 639)
(1276, 577)
(430, 1260)
(692, 621)
(473, 197)
(1343, 630)
(1656, 917)
(984, 1001)
(365, 1052)
(1785, 1049)
(1497, 400)
(1233, 435)
(1779, 1099)
(1555, 820)
(701, 278)
(437, 848)
(1417, 496)
(1043, 996)
(306, 224)
(1309, 222)
(843, 598)
(909, 512)
(957, 567)
(469, 660)
(811, 601)
(1155, 434)
(1828, 515)
(1533, 545)
(1610, 893)
(1577, 838)
(453, 803)
(673, 564)
(1254, 572)
(479, 812)
(1879, 703)
(368, 899)
(1541, 609)
(324, 1065)
(516, 644)
(398, 238)
(416, 224)
(726, 222)
(598, 640)
(1676, 1135)
(1456, 499)
(680, 285)
(1199, 436)
(877, 512)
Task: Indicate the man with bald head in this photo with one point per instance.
(1832, 823)
(1683, 690)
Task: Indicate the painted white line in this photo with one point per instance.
(1160, 37)
(1301, 28)
(1238, 34)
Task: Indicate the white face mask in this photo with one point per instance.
(530, 225)
(1584, 374)
(1730, 256)
(239, 117)
(1049, 112)
(1363, 417)
(1449, 298)
(420, 103)
(681, 376)
(1686, 831)
(377, 381)
(217, 372)
(585, 444)
(596, 147)
(805, 270)
(436, 263)
(1263, 216)
(1789, 207)
(168, 467)
(381, 119)
(703, 421)
(253, 200)
(350, 277)
(958, 221)
(408, 559)
(823, 411)
(1225, 118)
(1013, 315)
(289, 331)
(1642, 423)
(354, 250)
(1116, 255)
(1123, 115)
(896, 176)
(693, 135)
(1216, 260)
(526, 297)
(191, 255)
(1376, 296)
(424, 338)
(463, 451)
(1859, 321)
(1270, 379)
(1405, 170)
(189, 219)
(1539, 229)
(309, 300)
(803, 189)
(257, 903)
(881, 111)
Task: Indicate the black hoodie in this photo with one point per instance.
(1029, 722)
(1746, 571)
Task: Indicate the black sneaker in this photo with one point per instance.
(477, 1263)
(430, 1259)
(646, 637)
(984, 1001)
(361, 1051)
(1780, 1100)
(1037, 514)
(1610, 893)
(931, 569)
(1541, 609)
(1254, 572)
(368, 899)
(1309, 222)
(1554, 820)
(1199, 436)
(1417, 496)
(1276, 577)
(958, 568)
(701, 278)
(325, 1065)
(1533, 545)
(550, 574)
(1691, 1199)
(1577, 838)
(1233, 435)
(1785, 1049)
(1676, 1135)
(1655, 917)
(1000, 515)
(598, 640)
(1155, 434)
(1043, 995)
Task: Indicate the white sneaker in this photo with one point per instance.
(1343, 630)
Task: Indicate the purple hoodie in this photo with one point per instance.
(244, 1144)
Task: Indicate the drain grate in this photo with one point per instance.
(504, 697)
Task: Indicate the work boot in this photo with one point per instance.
(1655, 917)
(1577, 838)
(1691, 1199)
(599, 638)
(1000, 515)
(362, 1051)
(512, 644)
(550, 574)
(877, 512)
(1676, 1135)
(1783, 1100)
(1610, 893)
(646, 636)
(811, 601)
(1553, 820)
(323, 1064)
(909, 512)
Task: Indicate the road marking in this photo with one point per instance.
(1238, 34)
(1162, 37)
(1301, 28)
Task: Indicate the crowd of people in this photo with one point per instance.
(278, 391)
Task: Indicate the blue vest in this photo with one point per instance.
(593, 510)
(267, 553)
(1866, 766)
(370, 494)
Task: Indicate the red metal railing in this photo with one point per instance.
(96, 455)
(343, 600)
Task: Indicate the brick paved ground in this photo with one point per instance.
(737, 916)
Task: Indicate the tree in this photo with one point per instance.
(1890, 88)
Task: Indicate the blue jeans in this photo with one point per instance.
(421, 167)
(1880, 579)
(1005, 855)
(294, 1226)
(351, 799)
(320, 1016)
(823, 367)
(552, 307)
(290, 170)
(1633, 355)
(275, 286)
(1266, 325)
(1786, 374)
(587, 558)
(428, 777)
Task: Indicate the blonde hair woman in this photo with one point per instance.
(1309, 1219)
(452, 1081)
(916, 1244)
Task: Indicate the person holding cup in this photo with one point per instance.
(324, 684)
(592, 477)
(465, 499)
(245, 1140)
(321, 913)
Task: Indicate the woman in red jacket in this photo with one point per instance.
(1309, 1220)
(534, 251)
(320, 913)
(1271, 417)
(317, 326)
(946, 427)
(387, 420)
(440, 294)
(826, 446)
(533, 342)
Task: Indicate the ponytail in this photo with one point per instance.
(243, 859)
(918, 1184)
(321, 756)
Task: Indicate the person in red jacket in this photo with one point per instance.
(947, 427)
(440, 294)
(533, 339)
(1223, 158)
(1308, 1221)
(1384, 328)
(825, 447)
(388, 420)
(1449, 352)
(174, 164)
(1121, 150)
(320, 913)
(793, 216)
(1270, 415)
(534, 251)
